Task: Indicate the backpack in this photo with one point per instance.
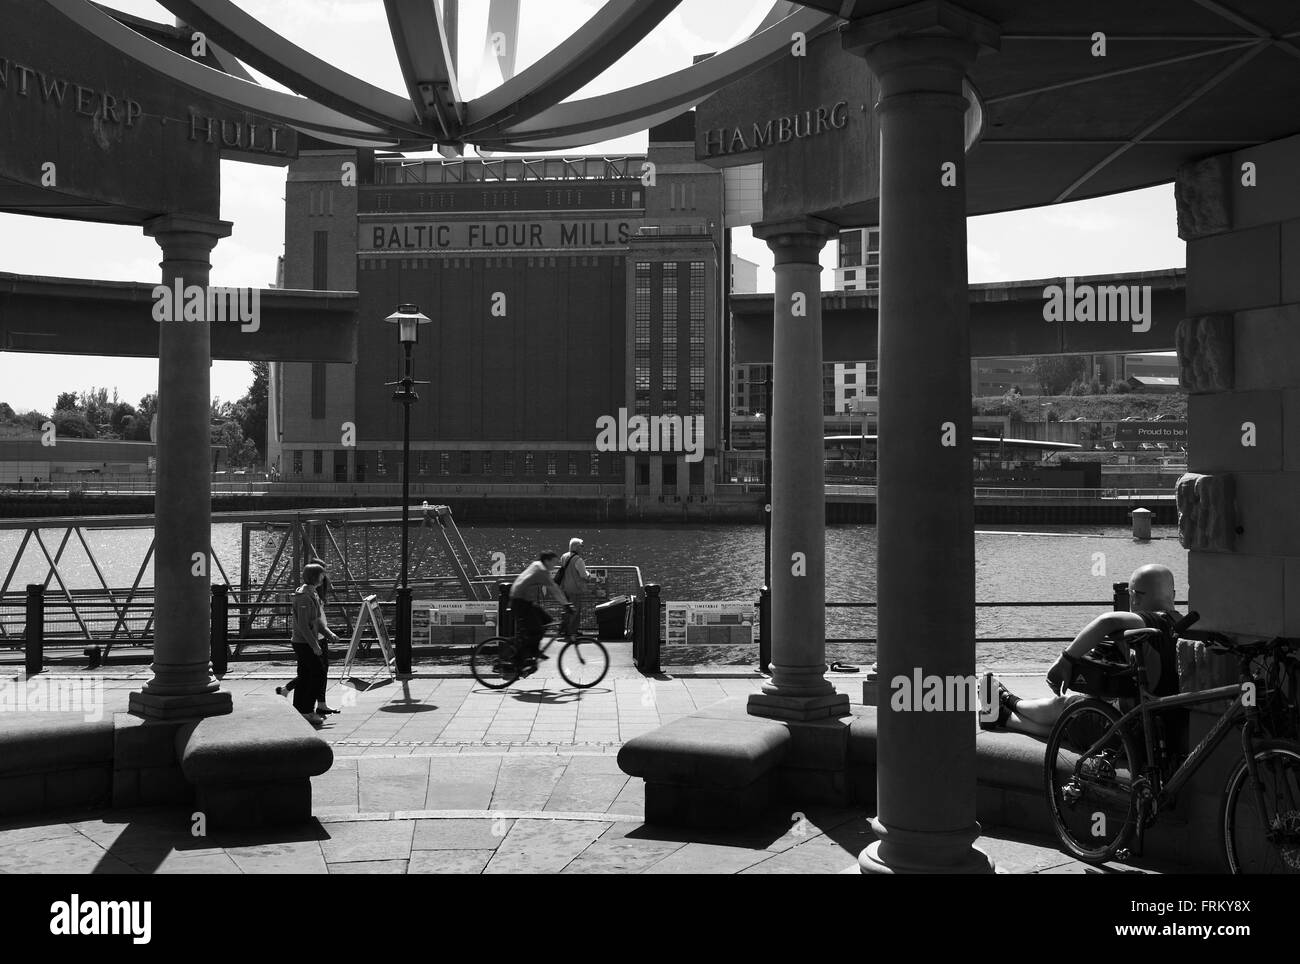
(559, 576)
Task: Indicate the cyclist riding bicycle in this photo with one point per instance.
(530, 618)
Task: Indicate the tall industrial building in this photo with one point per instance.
(561, 291)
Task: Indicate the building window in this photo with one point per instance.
(464, 464)
(528, 463)
(317, 389)
(668, 317)
(573, 463)
(297, 462)
(507, 463)
(697, 339)
(320, 252)
(317, 462)
(444, 463)
(424, 463)
(595, 463)
(487, 463)
(380, 463)
(641, 338)
(550, 463)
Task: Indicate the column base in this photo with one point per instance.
(775, 706)
(180, 706)
(925, 852)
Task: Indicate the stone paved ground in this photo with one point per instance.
(439, 775)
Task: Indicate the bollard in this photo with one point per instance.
(1120, 598)
(764, 630)
(1141, 524)
(638, 612)
(220, 629)
(648, 661)
(402, 657)
(34, 631)
(505, 620)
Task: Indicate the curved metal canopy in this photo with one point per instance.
(526, 112)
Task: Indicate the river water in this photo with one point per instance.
(725, 562)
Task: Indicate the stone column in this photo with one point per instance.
(183, 684)
(926, 782)
(799, 689)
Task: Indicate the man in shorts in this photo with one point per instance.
(1151, 604)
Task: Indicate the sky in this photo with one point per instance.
(1128, 232)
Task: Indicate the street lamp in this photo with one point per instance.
(408, 319)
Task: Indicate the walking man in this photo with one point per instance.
(308, 625)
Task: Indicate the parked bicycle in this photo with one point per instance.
(1111, 775)
(583, 661)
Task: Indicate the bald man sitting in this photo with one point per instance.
(1151, 602)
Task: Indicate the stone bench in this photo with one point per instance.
(1011, 793)
(54, 761)
(253, 767)
(713, 768)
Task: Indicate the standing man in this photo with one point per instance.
(573, 579)
(308, 624)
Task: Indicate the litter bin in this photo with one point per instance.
(611, 618)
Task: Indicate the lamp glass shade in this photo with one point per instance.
(408, 318)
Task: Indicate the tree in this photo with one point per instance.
(72, 424)
(138, 425)
(1054, 373)
(120, 417)
(67, 401)
(254, 404)
(6, 412)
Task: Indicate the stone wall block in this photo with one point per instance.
(1202, 191)
(1205, 353)
(1207, 512)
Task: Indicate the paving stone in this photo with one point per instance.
(369, 867)
(449, 861)
(701, 858)
(456, 834)
(586, 791)
(368, 840)
(293, 857)
(392, 784)
(543, 846)
(461, 783)
(526, 783)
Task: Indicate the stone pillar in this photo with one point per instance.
(1240, 216)
(183, 684)
(926, 783)
(798, 689)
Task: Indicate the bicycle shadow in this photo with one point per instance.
(550, 697)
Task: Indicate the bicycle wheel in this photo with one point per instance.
(583, 662)
(492, 662)
(1091, 797)
(1267, 843)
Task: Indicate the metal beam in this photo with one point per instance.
(278, 58)
(424, 52)
(674, 92)
(585, 54)
(297, 112)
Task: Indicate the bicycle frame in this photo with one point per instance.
(1148, 706)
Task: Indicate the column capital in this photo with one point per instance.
(926, 19)
(187, 231)
(796, 240)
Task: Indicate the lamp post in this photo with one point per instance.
(408, 319)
